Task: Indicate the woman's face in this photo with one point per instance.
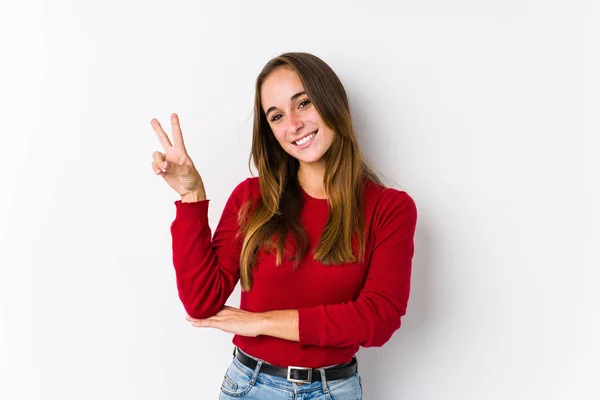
(293, 117)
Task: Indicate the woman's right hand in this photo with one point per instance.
(175, 165)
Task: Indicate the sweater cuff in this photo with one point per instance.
(197, 210)
(308, 326)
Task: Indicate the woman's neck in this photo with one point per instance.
(310, 177)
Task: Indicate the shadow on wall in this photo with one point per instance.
(382, 131)
(385, 370)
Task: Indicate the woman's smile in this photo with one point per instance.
(305, 141)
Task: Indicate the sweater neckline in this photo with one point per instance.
(309, 197)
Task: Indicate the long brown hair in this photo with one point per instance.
(267, 223)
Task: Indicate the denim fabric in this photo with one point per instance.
(242, 382)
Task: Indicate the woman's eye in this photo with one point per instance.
(304, 103)
(275, 117)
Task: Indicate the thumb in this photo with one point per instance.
(173, 168)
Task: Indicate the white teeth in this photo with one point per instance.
(305, 139)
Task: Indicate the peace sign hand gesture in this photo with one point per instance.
(175, 165)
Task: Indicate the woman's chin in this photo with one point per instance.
(308, 156)
(310, 160)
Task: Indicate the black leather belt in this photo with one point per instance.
(300, 374)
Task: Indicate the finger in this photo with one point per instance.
(231, 310)
(176, 130)
(162, 136)
(205, 323)
(156, 169)
(226, 311)
(159, 164)
(158, 157)
(173, 168)
(158, 160)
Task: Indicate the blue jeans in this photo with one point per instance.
(242, 382)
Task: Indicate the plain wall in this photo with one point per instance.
(485, 112)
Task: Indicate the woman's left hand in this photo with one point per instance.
(232, 320)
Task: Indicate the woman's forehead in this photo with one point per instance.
(279, 87)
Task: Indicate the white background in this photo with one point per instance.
(487, 113)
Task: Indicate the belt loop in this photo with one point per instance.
(256, 372)
(323, 381)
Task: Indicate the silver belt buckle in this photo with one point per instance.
(299, 380)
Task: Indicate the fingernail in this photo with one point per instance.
(157, 171)
(164, 166)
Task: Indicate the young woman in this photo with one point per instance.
(323, 251)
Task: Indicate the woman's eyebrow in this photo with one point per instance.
(294, 97)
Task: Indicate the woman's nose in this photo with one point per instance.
(295, 123)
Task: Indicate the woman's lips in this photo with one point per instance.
(301, 146)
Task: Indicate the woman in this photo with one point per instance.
(323, 251)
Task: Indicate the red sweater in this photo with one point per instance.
(339, 307)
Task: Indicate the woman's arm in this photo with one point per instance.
(371, 319)
(206, 269)
(281, 324)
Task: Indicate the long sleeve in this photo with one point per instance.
(206, 270)
(372, 318)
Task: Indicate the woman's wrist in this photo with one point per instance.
(282, 324)
(193, 197)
